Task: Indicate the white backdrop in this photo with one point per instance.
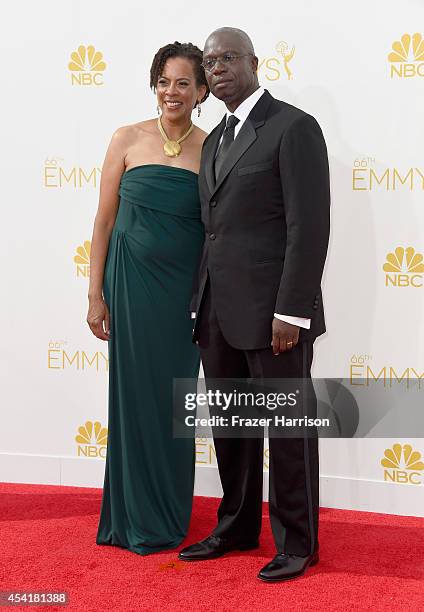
(359, 71)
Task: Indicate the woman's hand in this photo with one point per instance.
(98, 313)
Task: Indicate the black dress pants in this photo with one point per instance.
(293, 462)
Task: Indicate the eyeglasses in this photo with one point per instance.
(228, 58)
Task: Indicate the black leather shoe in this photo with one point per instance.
(285, 567)
(213, 547)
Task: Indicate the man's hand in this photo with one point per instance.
(284, 336)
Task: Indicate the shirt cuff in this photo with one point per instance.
(300, 322)
(193, 315)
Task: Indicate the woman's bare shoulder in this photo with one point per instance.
(127, 133)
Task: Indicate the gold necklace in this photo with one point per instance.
(172, 148)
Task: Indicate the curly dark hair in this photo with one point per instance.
(177, 49)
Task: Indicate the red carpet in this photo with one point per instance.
(368, 561)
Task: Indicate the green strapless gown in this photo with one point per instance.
(153, 254)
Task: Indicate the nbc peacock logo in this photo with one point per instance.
(91, 440)
(402, 464)
(404, 268)
(82, 259)
(87, 66)
(407, 56)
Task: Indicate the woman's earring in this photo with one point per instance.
(158, 109)
(199, 109)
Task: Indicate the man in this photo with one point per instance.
(264, 189)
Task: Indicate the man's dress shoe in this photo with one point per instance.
(213, 547)
(285, 567)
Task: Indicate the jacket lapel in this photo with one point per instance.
(243, 141)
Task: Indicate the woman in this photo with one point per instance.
(146, 243)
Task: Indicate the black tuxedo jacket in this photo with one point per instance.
(266, 224)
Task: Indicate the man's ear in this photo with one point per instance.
(255, 63)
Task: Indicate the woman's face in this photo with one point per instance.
(176, 89)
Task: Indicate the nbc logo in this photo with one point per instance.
(402, 464)
(404, 268)
(82, 259)
(91, 440)
(272, 65)
(406, 59)
(86, 66)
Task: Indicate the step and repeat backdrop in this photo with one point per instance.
(76, 71)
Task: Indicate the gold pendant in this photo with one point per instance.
(172, 148)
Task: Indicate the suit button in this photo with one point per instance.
(314, 306)
(213, 204)
(212, 236)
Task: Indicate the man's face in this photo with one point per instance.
(231, 82)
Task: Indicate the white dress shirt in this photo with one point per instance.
(242, 112)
